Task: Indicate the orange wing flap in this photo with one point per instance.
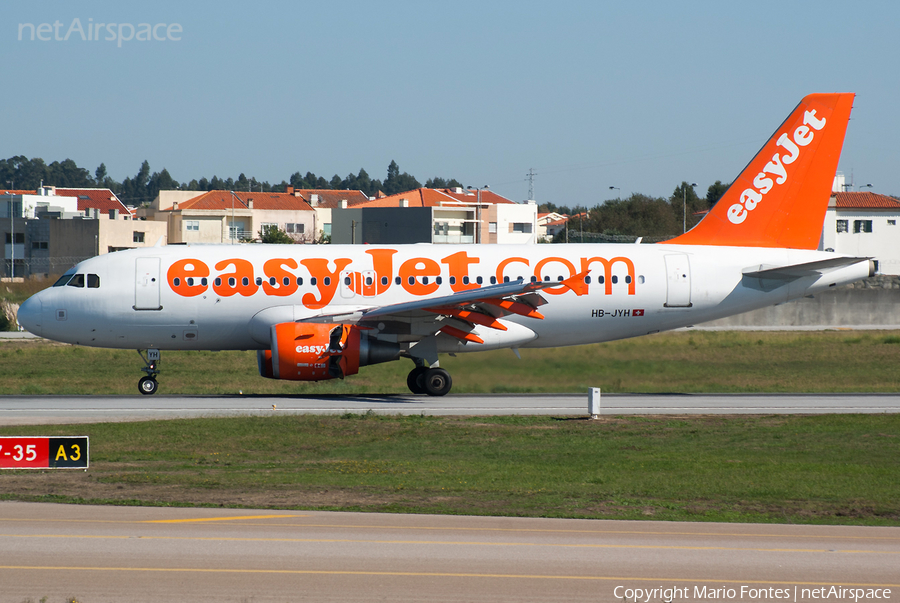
(515, 307)
(470, 316)
(460, 334)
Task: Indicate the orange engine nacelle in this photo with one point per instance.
(311, 352)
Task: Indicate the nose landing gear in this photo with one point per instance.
(148, 384)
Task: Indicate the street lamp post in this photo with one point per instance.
(231, 230)
(684, 201)
(12, 231)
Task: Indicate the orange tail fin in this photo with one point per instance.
(780, 198)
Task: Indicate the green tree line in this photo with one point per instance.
(640, 215)
(636, 215)
(22, 173)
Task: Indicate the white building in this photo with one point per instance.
(864, 225)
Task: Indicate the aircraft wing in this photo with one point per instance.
(458, 314)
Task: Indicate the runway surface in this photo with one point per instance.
(130, 554)
(22, 410)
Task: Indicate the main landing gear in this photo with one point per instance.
(148, 384)
(432, 381)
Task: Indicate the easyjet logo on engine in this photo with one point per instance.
(418, 276)
(311, 349)
(763, 182)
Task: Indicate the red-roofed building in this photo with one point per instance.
(426, 215)
(864, 224)
(550, 223)
(323, 200)
(96, 202)
(223, 216)
(54, 228)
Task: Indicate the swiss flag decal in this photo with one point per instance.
(637, 312)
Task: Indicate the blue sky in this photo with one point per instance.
(638, 95)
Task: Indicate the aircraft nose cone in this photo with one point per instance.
(29, 314)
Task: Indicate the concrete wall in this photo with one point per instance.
(871, 302)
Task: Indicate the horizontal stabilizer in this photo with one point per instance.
(795, 271)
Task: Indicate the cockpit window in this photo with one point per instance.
(93, 281)
(62, 280)
(77, 281)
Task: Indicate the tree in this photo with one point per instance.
(397, 182)
(437, 182)
(715, 192)
(100, 174)
(159, 181)
(685, 204)
(275, 235)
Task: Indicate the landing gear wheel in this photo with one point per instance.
(437, 382)
(148, 385)
(415, 381)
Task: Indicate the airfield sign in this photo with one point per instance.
(43, 452)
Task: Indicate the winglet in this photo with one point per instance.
(780, 198)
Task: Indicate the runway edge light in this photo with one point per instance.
(594, 402)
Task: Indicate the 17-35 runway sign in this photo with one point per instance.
(41, 452)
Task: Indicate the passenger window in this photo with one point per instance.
(77, 281)
(62, 281)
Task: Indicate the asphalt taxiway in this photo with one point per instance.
(24, 410)
(127, 554)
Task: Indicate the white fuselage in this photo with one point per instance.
(144, 300)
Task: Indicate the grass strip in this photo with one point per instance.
(828, 469)
(682, 361)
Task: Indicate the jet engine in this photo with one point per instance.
(315, 352)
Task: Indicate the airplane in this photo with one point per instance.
(321, 312)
